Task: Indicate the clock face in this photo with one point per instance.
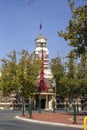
(44, 53)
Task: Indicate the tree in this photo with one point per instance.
(9, 74)
(76, 31)
(28, 70)
(58, 72)
(70, 80)
(19, 74)
(75, 81)
(71, 64)
(82, 74)
(76, 75)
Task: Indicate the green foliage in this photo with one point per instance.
(74, 83)
(82, 66)
(71, 64)
(27, 73)
(71, 82)
(19, 75)
(76, 31)
(9, 74)
(82, 74)
(58, 72)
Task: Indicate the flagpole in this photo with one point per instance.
(40, 25)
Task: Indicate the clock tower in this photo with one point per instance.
(41, 44)
(46, 75)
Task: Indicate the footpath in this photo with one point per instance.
(57, 118)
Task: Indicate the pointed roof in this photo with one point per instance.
(41, 36)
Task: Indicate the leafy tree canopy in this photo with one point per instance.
(19, 73)
(76, 31)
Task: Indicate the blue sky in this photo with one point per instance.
(19, 25)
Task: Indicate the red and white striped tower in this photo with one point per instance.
(41, 82)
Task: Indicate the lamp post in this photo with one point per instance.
(30, 109)
(39, 103)
(22, 106)
(74, 106)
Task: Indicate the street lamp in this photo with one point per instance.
(74, 106)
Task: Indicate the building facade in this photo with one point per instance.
(47, 97)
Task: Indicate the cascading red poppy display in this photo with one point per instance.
(41, 85)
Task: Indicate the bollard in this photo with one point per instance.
(22, 109)
(39, 106)
(53, 107)
(67, 107)
(77, 109)
(74, 113)
(30, 110)
(85, 123)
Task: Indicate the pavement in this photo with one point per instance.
(57, 118)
